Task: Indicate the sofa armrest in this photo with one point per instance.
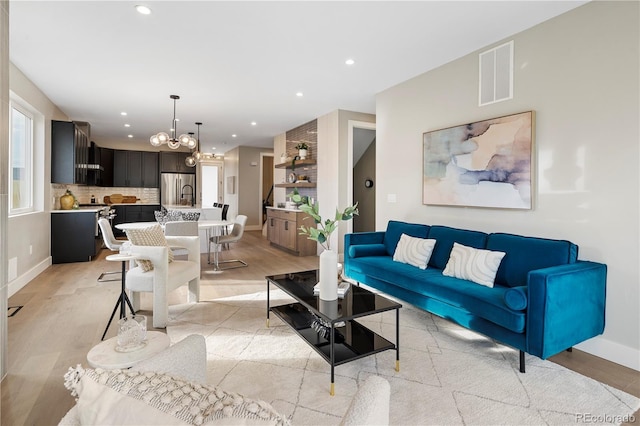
(363, 238)
(566, 306)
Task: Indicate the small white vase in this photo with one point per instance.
(329, 275)
(302, 153)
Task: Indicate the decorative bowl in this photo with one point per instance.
(161, 217)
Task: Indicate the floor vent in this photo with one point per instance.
(13, 310)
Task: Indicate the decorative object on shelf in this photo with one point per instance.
(172, 140)
(322, 234)
(292, 178)
(302, 148)
(481, 164)
(368, 183)
(132, 333)
(68, 201)
(302, 178)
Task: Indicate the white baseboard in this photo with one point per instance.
(612, 351)
(24, 279)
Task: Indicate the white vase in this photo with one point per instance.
(329, 275)
(302, 153)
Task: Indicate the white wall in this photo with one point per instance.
(579, 72)
(29, 234)
(4, 184)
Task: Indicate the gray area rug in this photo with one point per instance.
(448, 375)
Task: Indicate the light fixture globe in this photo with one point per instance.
(173, 144)
(184, 139)
(197, 155)
(192, 143)
(155, 141)
(190, 161)
(163, 137)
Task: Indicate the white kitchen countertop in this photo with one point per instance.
(79, 210)
(284, 209)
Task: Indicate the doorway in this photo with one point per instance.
(211, 183)
(364, 172)
(266, 186)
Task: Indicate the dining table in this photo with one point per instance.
(213, 228)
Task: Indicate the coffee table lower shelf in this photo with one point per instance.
(352, 341)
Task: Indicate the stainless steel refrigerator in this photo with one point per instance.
(177, 189)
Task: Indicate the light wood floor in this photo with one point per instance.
(65, 312)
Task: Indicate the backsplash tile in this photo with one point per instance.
(84, 193)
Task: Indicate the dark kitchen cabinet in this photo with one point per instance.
(69, 153)
(133, 213)
(173, 162)
(100, 169)
(135, 169)
(74, 236)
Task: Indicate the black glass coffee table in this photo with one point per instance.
(343, 339)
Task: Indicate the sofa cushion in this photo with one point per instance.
(151, 398)
(363, 250)
(414, 251)
(481, 301)
(526, 254)
(445, 237)
(476, 265)
(395, 229)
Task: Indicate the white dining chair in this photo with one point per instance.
(234, 236)
(112, 244)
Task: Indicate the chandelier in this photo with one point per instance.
(171, 140)
(196, 155)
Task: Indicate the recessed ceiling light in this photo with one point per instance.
(349, 62)
(143, 9)
(129, 136)
(234, 135)
(299, 94)
(253, 123)
(123, 113)
(127, 125)
(213, 147)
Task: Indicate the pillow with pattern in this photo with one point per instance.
(414, 251)
(151, 236)
(476, 265)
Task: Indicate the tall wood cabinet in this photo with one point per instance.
(282, 231)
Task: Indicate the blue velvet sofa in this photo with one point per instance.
(544, 300)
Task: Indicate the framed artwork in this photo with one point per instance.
(483, 164)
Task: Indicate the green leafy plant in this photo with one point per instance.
(323, 229)
(302, 145)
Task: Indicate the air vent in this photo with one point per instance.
(496, 74)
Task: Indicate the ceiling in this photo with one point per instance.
(234, 63)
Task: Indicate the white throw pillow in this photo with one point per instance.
(468, 263)
(414, 251)
(149, 398)
(151, 236)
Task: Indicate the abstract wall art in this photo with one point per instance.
(483, 164)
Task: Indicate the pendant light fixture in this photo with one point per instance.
(195, 156)
(171, 140)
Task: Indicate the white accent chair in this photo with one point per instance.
(370, 404)
(165, 277)
(181, 228)
(112, 244)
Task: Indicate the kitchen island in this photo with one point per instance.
(74, 234)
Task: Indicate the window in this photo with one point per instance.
(21, 160)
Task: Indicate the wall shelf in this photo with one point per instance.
(299, 163)
(296, 185)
